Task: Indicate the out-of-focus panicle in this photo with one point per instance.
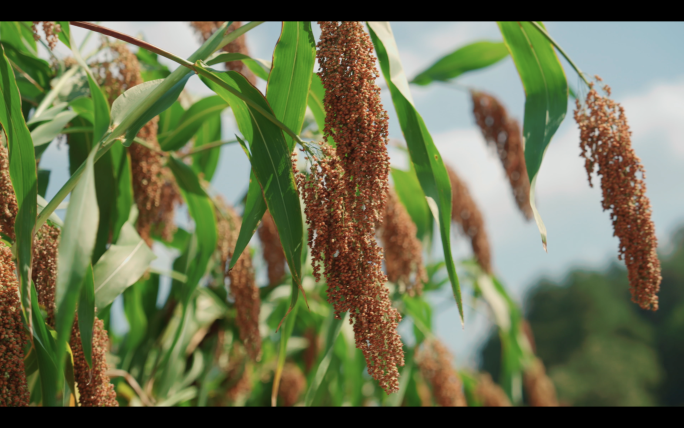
(605, 140)
(8, 200)
(465, 212)
(206, 28)
(241, 278)
(238, 376)
(345, 197)
(435, 362)
(94, 386)
(311, 351)
(490, 393)
(154, 186)
(13, 389)
(503, 133)
(273, 249)
(539, 388)
(403, 251)
(44, 268)
(292, 384)
(51, 29)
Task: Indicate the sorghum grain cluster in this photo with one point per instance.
(503, 133)
(605, 140)
(13, 337)
(403, 252)
(434, 360)
(465, 212)
(292, 384)
(539, 388)
(273, 250)
(51, 30)
(44, 268)
(345, 195)
(8, 200)
(490, 393)
(241, 278)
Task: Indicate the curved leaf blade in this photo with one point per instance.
(474, 56)
(425, 157)
(86, 316)
(546, 92)
(191, 121)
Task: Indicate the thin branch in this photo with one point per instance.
(553, 42)
(26, 76)
(207, 146)
(146, 400)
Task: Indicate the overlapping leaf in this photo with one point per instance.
(426, 159)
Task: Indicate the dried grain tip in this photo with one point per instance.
(605, 140)
(435, 363)
(273, 250)
(44, 268)
(490, 393)
(8, 200)
(503, 133)
(403, 251)
(206, 28)
(292, 384)
(465, 212)
(13, 338)
(241, 278)
(93, 384)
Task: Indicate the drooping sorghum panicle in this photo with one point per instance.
(8, 200)
(311, 351)
(241, 278)
(490, 393)
(354, 187)
(503, 133)
(273, 250)
(435, 362)
(44, 268)
(465, 212)
(206, 28)
(51, 30)
(93, 385)
(605, 140)
(403, 251)
(539, 388)
(292, 384)
(13, 389)
(154, 186)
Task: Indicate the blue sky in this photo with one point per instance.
(643, 64)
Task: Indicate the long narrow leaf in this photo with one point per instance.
(426, 158)
(191, 121)
(546, 96)
(333, 330)
(86, 316)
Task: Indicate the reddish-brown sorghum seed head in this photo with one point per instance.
(403, 251)
(490, 393)
(51, 29)
(272, 249)
(93, 384)
(13, 337)
(503, 133)
(605, 140)
(435, 363)
(292, 384)
(539, 388)
(241, 278)
(206, 28)
(465, 212)
(44, 268)
(8, 200)
(345, 196)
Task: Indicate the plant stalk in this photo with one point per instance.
(557, 46)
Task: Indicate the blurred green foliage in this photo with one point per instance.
(599, 348)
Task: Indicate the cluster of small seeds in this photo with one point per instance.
(465, 212)
(241, 278)
(292, 384)
(503, 133)
(94, 386)
(539, 388)
(51, 30)
(206, 28)
(8, 200)
(273, 249)
(13, 389)
(403, 251)
(345, 196)
(238, 376)
(435, 362)
(44, 268)
(605, 140)
(490, 393)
